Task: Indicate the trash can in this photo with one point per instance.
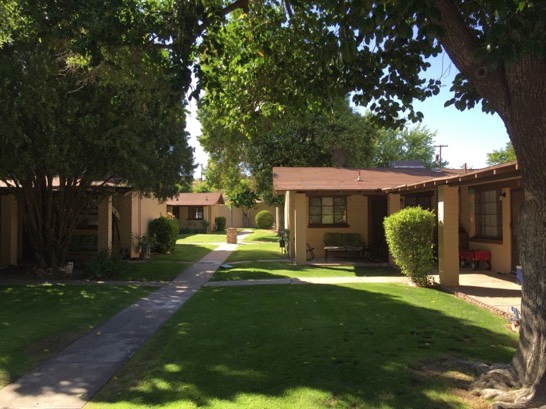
(519, 274)
(231, 234)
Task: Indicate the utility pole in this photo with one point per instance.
(439, 156)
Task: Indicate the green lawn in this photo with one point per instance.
(186, 251)
(247, 251)
(346, 346)
(153, 270)
(37, 321)
(165, 267)
(257, 270)
(263, 235)
(202, 238)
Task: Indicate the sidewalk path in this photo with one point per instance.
(309, 280)
(70, 378)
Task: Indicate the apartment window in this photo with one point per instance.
(195, 213)
(328, 210)
(488, 215)
(424, 201)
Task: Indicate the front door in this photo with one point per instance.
(377, 206)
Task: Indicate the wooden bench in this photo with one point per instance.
(343, 243)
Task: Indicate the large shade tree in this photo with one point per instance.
(339, 137)
(405, 143)
(380, 49)
(91, 97)
(257, 112)
(502, 155)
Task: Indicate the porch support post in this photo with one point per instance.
(104, 231)
(300, 227)
(209, 218)
(288, 210)
(393, 203)
(279, 219)
(9, 225)
(448, 235)
(136, 227)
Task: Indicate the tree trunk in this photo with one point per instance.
(50, 211)
(245, 216)
(517, 92)
(526, 124)
(527, 129)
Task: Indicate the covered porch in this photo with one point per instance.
(476, 210)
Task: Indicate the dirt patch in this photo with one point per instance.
(457, 375)
(49, 346)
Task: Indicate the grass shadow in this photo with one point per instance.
(38, 321)
(153, 270)
(351, 346)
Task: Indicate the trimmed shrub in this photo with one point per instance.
(220, 223)
(164, 230)
(409, 234)
(264, 219)
(105, 265)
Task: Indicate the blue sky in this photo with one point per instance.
(469, 135)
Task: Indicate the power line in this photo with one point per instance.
(439, 156)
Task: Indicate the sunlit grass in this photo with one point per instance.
(262, 235)
(257, 251)
(350, 346)
(185, 251)
(38, 321)
(166, 267)
(202, 238)
(257, 270)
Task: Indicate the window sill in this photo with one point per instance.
(485, 240)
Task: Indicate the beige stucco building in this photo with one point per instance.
(117, 221)
(198, 211)
(475, 210)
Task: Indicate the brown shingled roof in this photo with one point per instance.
(196, 199)
(504, 171)
(342, 179)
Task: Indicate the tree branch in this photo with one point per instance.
(461, 44)
(230, 8)
(239, 4)
(288, 8)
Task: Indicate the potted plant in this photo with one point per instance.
(145, 244)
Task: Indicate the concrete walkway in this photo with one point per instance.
(71, 378)
(495, 291)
